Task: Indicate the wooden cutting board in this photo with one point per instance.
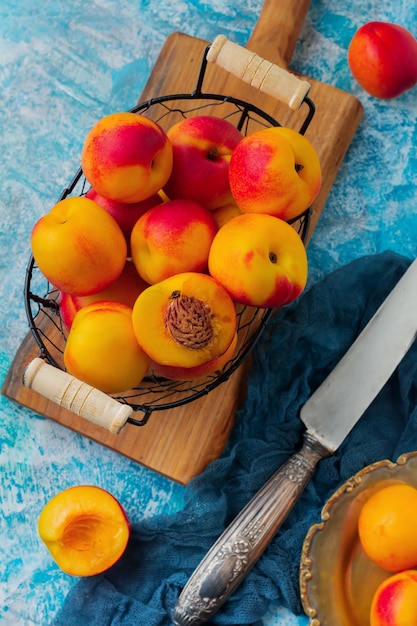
(180, 442)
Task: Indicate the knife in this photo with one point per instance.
(328, 415)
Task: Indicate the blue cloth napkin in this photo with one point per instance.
(300, 346)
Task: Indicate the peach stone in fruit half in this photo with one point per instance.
(172, 238)
(101, 348)
(202, 147)
(185, 320)
(260, 260)
(276, 171)
(78, 246)
(126, 157)
(85, 529)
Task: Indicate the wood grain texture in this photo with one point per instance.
(180, 442)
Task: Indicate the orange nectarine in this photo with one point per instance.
(85, 529)
(78, 246)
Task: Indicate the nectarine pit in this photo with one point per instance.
(188, 321)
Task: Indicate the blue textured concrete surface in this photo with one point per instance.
(63, 65)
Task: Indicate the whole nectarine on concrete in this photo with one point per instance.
(383, 59)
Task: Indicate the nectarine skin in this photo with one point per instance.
(126, 157)
(387, 527)
(260, 260)
(101, 349)
(172, 238)
(202, 147)
(275, 171)
(395, 601)
(383, 59)
(78, 246)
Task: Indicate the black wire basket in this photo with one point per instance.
(42, 299)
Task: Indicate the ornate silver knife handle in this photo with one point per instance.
(239, 547)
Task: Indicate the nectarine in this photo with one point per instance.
(172, 238)
(126, 157)
(85, 529)
(387, 527)
(78, 246)
(202, 146)
(185, 320)
(260, 259)
(395, 601)
(101, 348)
(276, 171)
(383, 59)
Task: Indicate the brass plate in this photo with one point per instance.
(337, 580)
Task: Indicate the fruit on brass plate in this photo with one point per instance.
(395, 601)
(85, 529)
(387, 527)
(383, 59)
(260, 259)
(185, 320)
(125, 289)
(126, 215)
(275, 170)
(126, 157)
(172, 238)
(78, 246)
(101, 348)
(211, 368)
(202, 147)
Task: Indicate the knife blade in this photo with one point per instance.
(328, 415)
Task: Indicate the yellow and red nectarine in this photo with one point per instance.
(260, 259)
(126, 157)
(276, 171)
(395, 601)
(383, 59)
(172, 238)
(202, 146)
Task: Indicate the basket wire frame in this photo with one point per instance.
(42, 299)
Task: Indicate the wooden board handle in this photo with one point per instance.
(277, 30)
(76, 396)
(258, 72)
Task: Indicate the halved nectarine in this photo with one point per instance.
(185, 320)
(85, 529)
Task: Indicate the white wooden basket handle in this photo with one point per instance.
(76, 396)
(252, 69)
